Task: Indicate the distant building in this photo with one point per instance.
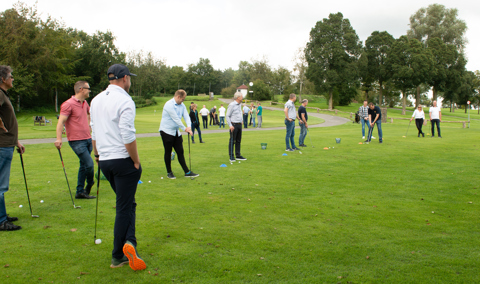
(244, 90)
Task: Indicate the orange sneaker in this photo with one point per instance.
(135, 262)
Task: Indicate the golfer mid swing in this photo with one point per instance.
(374, 117)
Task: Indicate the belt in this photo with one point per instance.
(236, 123)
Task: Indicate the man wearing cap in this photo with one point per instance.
(75, 115)
(8, 142)
(115, 148)
(234, 121)
(173, 112)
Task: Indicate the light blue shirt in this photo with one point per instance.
(245, 110)
(172, 118)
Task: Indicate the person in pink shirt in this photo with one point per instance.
(75, 115)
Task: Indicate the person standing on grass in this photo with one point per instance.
(375, 117)
(246, 111)
(435, 114)
(75, 115)
(290, 116)
(195, 123)
(8, 142)
(234, 121)
(213, 113)
(363, 113)
(253, 115)
(259, 115)
(303, 118)
(173, 112)
(221, 112)
(115, 148)
(204, 112)
(419, 116)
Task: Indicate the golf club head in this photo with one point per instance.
(35, 216)
(77, 207)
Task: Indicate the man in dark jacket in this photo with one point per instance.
(195, 123)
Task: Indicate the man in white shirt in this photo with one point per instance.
(435, 114)
(221, 112)
(290, 116)
(112, 116)
(204, 113)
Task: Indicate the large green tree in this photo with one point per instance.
(332, 54)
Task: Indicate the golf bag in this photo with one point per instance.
(357, 118)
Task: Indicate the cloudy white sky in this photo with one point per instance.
(228, 31)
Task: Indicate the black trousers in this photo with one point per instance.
(436, 121)
(205, 121)
(235, 140)
(419, 124)
(123, 178)
(175, 142)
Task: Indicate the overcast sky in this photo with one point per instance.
(229, 31)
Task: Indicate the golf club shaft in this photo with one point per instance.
(310, 139)
(189, 157)
(26, 186)
(96, 209)
(66, 178)
(408, 128)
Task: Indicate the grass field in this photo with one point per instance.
(405, 211)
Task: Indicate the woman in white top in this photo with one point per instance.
(419, 116)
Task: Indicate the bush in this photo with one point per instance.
(229, 91)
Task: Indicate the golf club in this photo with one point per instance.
(308, 134)
(61, 159)
(96, 209)
(408, 128)
(370, 133)
(189, 157)
(26, 187)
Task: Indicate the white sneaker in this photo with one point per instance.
(373, 137)
(363, 137)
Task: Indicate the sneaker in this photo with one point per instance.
(423, 134)
(303, 145)
(83, 195)
(191, 174)
(363, 137)
(241, 158)
(289, 150)
(171, 176)
(232, 160)
(367, 141)
(373, 137)
(201, 141)
(380, 142)
(89, 188)
(136, 263)
(116, 263)
(7, 226)
(296, 149)
(11, 219)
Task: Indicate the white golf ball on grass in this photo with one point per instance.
(41, 201)
(20, 206)
(98, 241)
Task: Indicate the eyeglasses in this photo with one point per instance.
(86, 88)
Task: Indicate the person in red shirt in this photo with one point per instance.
(75, 115)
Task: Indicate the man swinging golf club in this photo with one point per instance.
(171, 123)
(374, 117)
(115, 148)
(8, 141)
(75, 115)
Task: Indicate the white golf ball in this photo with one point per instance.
(48, 181)
(300, 152)
(149, 181)
(20, 206)
(231, 163)
(98, 241)
(239, 162)
(41, 201)
(161, 177)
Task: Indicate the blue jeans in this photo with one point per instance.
(245, 120)
(364, 122)
(6, 155)
(303, 134)
(222, 122)
(83, 149)
(380, 133)
(196, 126)
(437, 122)
(253, 121)
(290, 133)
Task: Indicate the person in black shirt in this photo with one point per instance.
(374, 117)
(302, 114)
(195, 123)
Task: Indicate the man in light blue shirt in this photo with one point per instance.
(246, 111)
(171, 123)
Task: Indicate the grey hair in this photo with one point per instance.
(237, 94)
(292, 96)
(304, 101)
(4, 71)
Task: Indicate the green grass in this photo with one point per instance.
(397, 212)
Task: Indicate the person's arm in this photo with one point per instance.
(440, 115)
(61, 121)
(20, 147)
(170, 110)
(95, 151)
(132, 151)
(2, 125)
(304, 120)
(186, 117)
(430, 114)
(228, 116)
(286, 114)
(413, 115)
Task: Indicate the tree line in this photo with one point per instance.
(48, 58)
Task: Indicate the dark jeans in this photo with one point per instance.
(205, 121)
(6, 156)
(245, 120)
(419, 124)
(123, 177)
(380, 132)
(196, 126)
(235, 139)
(436, 121)
(222, 122)
(175, 142)
(83, 149)
(290, 137)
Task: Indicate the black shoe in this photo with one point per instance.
(191, 174)
(303, 145)
(380, 142)
(7, 226)
(11, 219)
(201, 141)
(89, 188)
(241, 158)
(423, 134)
(83, 195)
(193, 142)
(171, 176)
(418, 134)
(368, 141)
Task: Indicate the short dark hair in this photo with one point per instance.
(371, 104)
(79, 85)
(4, 71)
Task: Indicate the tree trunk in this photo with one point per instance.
(18, 103)
(380, 94)
(330, 100)
(434, 94)
(452, 107)
(417, 98)
(404, 103)
(56, 99)
(300, 95)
